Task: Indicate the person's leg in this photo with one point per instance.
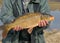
(37, 35)
(6, 40)
(37, 38)
(12, 37)
(25, 42)
(41, 38)
(24, 37)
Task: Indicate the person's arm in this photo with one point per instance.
(44, 7)
(6, 15)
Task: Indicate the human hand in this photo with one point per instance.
(17, 28)
(43, 23)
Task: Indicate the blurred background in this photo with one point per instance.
(55, 11)
(52, 35)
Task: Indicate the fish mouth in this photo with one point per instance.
(52, 18)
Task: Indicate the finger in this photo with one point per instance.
(17, 28)
(39, 24)
(14, 28)
(20, 28)
(46, 21)
(42, 23)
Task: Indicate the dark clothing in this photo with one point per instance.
(9, 14)
(24, 37)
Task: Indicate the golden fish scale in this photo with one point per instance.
(26, 21)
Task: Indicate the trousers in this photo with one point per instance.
(14, 37)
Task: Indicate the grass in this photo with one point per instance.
(54, 5)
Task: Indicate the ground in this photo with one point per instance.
(52, 36)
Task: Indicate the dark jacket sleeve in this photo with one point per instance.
(6, 15)
(44, 6)
(45, 9)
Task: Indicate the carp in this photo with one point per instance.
(27, 20)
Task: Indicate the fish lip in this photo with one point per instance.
(52, 18)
